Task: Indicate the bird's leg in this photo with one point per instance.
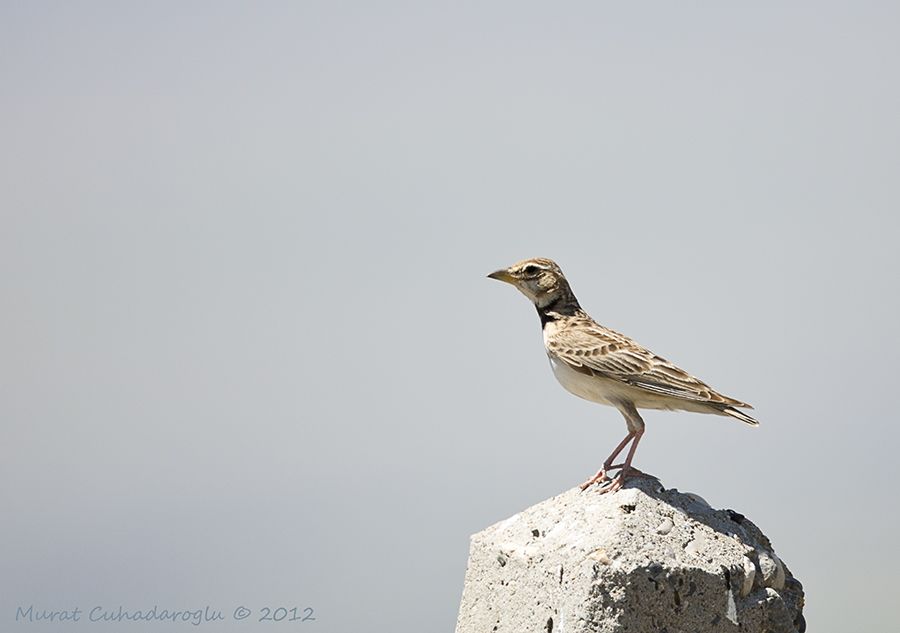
(601, 475)
(627, 470)
(636, 430)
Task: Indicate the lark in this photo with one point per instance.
(598, 364)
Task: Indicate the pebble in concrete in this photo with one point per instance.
(772, 571)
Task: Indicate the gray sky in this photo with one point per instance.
(248, 354)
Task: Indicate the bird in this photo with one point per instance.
(601, 365)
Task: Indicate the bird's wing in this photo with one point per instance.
(594, 348)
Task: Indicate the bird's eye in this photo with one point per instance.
(530, 269)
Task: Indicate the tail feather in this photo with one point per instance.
(740, 415)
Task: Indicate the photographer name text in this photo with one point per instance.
(196, 617)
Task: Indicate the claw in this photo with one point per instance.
(616, 484)
(600, 477)
(607, 484)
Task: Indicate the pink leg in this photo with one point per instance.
(601, 475)
(626, 467)
(635, 431)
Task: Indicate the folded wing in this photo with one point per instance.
(600, 350)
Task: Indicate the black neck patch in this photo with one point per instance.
(561, 306)
(546, 316)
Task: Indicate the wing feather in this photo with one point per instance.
(588, 345)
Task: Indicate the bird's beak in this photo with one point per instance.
(503, 275)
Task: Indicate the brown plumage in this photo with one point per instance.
(604, 366)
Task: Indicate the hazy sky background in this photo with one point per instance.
(248, 354)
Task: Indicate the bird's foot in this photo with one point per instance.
(618, 481)
(600, 477)
(615, 483)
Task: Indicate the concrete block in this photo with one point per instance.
(644, 559)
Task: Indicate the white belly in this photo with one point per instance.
(591, 388)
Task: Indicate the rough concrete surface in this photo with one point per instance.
(644, 559)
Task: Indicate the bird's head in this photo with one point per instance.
(539, 279)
